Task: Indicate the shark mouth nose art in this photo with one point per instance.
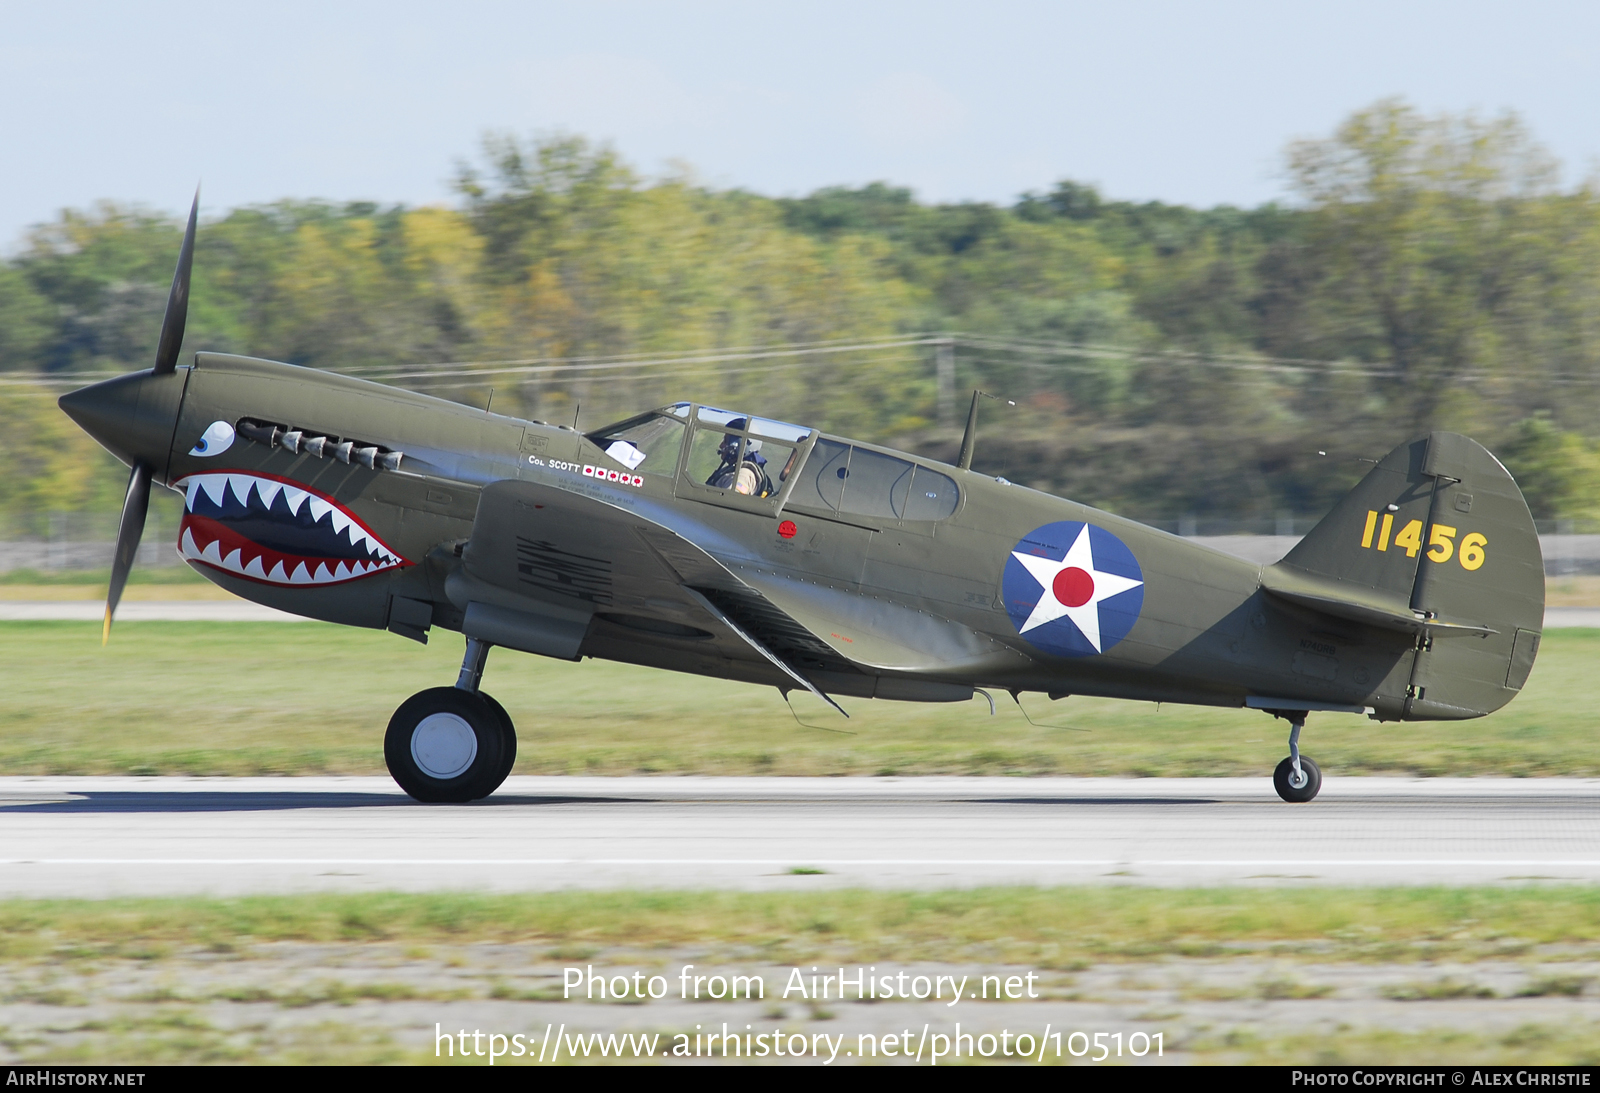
(267, 529)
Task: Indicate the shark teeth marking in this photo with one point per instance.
(215, 486)
(305, 539)
(242, 485)
(268, 492)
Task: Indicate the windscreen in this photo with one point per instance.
(648, 444)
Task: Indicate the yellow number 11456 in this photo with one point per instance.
(1441, 540)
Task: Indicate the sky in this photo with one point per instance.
(1180, 102)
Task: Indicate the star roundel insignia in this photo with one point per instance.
(1072, 589)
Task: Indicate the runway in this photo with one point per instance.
(68, 836)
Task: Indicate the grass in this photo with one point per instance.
(185, 1038)
(1267, 990)
(1059, 929)
(276, 698)
(1577, 1044)
(1572, 591)
(181, 1037)
(1567, 986)
(1446, 989)
(185, 592)
(93, 582)
(247, 997)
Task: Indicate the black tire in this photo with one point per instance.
(445, 746)
(1297, 794)
(508, 741)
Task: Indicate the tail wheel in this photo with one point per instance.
(446, 745)
(1284, 781)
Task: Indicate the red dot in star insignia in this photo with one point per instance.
(787, 529)
(1073, 587)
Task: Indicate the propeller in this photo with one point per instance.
(134, 508)
(137, 503)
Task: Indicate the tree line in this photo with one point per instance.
(1429, 272)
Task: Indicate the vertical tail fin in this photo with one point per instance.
(1439, 530)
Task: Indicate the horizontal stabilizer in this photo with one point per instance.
(1361, 603)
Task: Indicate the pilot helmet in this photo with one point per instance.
(730, 443)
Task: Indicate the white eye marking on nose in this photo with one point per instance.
(217, 439)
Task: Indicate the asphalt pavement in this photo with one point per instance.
(97, 836)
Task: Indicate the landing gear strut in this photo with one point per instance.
(452, 744)
(1298, 778)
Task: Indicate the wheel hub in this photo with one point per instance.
(443, 745)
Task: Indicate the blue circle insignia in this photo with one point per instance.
(1072, 589)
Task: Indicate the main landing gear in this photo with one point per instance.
(1298, 778)
(452, 744)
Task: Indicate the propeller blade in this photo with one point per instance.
(177, 300)
(134, 508)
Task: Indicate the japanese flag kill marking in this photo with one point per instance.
(1057, 580)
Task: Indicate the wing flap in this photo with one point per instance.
(777, 661)
(883, 634)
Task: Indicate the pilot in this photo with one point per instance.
(748, 475)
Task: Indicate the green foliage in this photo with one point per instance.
(25, 326)
(51, 463)
(1430, 275)
(1558, 470)
(1435, 236)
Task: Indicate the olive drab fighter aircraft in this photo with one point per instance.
(727, 544)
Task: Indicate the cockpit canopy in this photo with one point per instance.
(733, 456)
(752, 456)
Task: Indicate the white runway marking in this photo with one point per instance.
(110, 836)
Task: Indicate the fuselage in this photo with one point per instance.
(948, 596)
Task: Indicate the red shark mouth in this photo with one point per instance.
(271, 530)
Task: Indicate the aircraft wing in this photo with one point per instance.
(549, 570)
(561, 558)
